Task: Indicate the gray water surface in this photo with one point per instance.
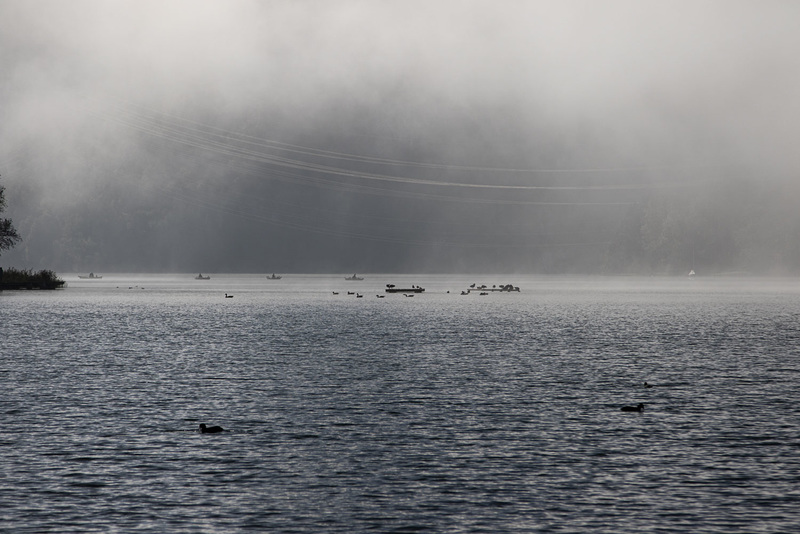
(437, 413)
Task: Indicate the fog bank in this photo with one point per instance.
(455, 136)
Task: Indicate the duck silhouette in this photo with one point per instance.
(638, 408)
(210, 429)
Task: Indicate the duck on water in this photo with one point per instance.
(210, 429)
(637, 408)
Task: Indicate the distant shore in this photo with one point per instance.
(15, 279)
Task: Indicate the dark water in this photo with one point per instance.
(437, 413)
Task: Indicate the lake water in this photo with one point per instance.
(440, 412)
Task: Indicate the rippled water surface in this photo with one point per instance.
(440, 412)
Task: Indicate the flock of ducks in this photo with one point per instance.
(359, 295)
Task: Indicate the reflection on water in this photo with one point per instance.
(444, 412)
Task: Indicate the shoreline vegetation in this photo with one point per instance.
(12, 278)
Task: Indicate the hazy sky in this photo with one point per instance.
(391, 113)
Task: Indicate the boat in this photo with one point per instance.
(91, 276)
(273, 277)
(354, 277)
(508, 288)
(391, 288)
(201, 277)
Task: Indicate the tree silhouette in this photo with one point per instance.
(8, 234)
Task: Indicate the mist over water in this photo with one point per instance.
(240, 136)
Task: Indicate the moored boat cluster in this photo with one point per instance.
(508, 288)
